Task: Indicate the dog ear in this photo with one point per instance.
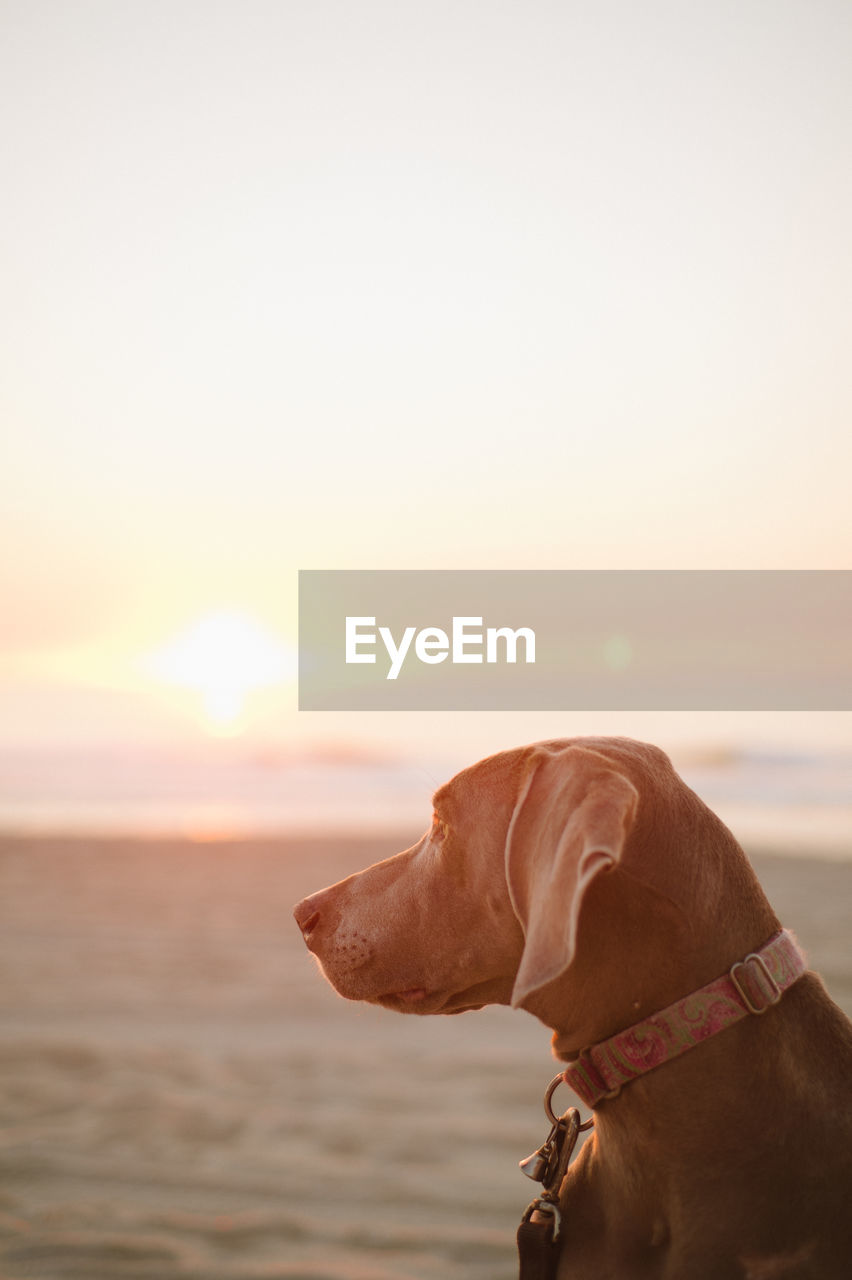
(571, 818)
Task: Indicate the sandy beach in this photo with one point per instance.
(183, 1095)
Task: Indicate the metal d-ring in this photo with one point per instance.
(548, 1109)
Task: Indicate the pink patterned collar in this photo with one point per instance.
(750, 986)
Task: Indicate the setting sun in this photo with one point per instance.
(223, 656)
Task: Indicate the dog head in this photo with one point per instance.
(485, 907)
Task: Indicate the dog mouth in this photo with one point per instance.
(420, 1000)
(408, 999)
(412, 996)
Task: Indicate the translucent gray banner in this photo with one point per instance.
(575, 640)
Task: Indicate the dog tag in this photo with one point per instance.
(535, 1166)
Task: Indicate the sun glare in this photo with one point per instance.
(224, 656)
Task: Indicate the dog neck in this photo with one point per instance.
(750, 987)
(623, 971)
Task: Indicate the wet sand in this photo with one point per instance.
(182, 1095)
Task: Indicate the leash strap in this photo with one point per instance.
(751, 986)
(538, 1251)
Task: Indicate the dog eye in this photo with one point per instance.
(439, 829)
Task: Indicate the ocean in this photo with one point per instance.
(784, 801)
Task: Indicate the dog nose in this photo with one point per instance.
(307, 925)
(307, 917)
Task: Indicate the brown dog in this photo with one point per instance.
(583, 881)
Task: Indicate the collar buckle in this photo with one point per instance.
(763, 991)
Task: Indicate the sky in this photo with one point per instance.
(397, 285)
